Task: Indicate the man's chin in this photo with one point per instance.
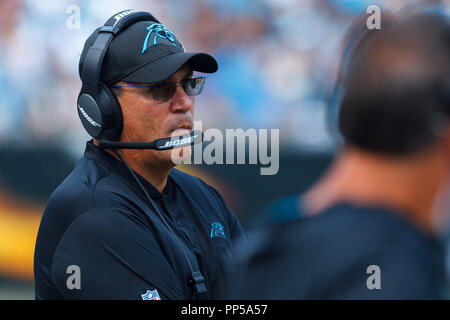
(159, 159)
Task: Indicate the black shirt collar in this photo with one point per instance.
(96, 153)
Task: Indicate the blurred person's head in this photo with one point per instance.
(395, 120)
(396, 99)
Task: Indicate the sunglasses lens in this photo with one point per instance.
(163, 92)
(194, 86)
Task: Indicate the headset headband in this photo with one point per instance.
(92, 63)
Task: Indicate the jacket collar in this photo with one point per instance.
(95, 153)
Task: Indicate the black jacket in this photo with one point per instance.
(347, 251)
(100, 221)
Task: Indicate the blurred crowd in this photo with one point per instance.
(278, 61)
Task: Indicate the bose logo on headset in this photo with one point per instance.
(91, 121)
(123, 14)
(173, 143)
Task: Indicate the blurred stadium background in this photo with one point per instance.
(278, 60)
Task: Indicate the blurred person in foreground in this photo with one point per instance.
(126, 224)
(369, 229)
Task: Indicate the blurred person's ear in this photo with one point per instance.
(441, 205)
(441, 210)
(447, 144)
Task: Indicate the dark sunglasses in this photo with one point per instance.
(163, 91)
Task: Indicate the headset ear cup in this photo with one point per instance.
(110, 102)
(90, 113)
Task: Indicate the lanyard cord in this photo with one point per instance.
(197, 280)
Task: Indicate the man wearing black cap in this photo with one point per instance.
(127, 225)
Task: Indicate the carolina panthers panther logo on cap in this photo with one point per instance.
(157, 32)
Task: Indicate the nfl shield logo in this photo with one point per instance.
(151, 295)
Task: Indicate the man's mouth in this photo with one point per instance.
(182, 129)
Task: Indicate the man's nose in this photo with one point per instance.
(181, 102)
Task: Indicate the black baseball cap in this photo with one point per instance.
(146, 52)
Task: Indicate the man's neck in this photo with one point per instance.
(155, 173)
(403, 185)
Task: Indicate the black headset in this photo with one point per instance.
(101, 115)
(97, 105)
(357, 35)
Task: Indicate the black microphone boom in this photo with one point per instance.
(158, 144)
